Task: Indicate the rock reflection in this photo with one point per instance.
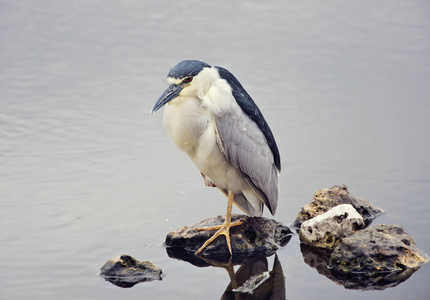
(125, 282)
(319, 258)
(252, 280)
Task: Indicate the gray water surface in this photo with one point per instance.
(87, 174)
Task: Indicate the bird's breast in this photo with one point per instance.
(192, 128)
(185, 121)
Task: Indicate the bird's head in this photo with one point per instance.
(189, 78)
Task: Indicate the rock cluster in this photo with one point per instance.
(341, 248)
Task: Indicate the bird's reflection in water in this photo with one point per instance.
(319, 259)
(253, 279)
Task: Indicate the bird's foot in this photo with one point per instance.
(223, 229)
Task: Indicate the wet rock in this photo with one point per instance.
(382, 248)
(328, 198)
(256, 236)
(326, 230)
(126, 271)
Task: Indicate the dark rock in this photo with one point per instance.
(256, 236)
(382, 248)
(125, 271)
(328, 198)
(319, 258)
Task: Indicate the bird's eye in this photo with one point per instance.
(188, 79)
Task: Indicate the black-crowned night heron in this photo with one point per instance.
(211, 117)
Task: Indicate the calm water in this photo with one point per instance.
(87, 174)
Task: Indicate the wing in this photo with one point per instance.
(246, 147)
(249, 107)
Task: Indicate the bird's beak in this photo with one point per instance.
(169, 94)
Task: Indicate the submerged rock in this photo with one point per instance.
(369, 282)
(382, 248)
(256, 236)
(328, 229)
(328, 198)
(318, 258)
(126, 271)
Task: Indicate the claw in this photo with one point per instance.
(223, 229)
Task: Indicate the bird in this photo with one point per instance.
(211, 117)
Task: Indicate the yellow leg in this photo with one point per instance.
(224, 228)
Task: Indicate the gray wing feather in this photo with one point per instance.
(245, 146)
